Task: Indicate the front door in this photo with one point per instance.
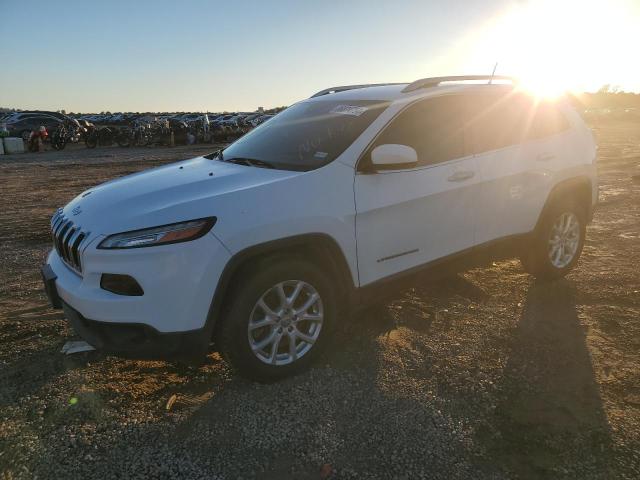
(408, 218)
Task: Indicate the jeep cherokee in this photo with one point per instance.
(265, 246)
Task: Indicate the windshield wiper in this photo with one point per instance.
(217, 154)
(249, 162)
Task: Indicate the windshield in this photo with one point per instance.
(307, 135)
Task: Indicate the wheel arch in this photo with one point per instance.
(578, 188)
(319, 248)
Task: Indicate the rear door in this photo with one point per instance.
(514, 158)
(407, 218)
(516, 140)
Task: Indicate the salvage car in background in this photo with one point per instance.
(22, 124)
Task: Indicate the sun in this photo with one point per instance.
(559, 46)
(545, 47)
(542, 87)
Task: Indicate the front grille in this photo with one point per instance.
(67, 240)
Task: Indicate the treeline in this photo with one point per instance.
(605, 98)
(608, 97)
(270, 111)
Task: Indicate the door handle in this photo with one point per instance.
(545, 157)
(461, 176)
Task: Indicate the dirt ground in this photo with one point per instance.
(483, 375)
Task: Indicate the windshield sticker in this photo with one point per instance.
(352, 110)
(320, 155)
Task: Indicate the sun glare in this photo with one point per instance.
(559, 46)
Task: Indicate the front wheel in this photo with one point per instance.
(555, 247)
(278, 319)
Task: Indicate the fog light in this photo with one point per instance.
(121, 284)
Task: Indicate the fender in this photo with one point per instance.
(578, 188)
(318, 247)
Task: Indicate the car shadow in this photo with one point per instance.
(416, 307)
(345, 396)
(549, 409)
(353, 408)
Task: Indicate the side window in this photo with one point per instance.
(498, 121)
(548, 120)
(434, 128)
(50, 121)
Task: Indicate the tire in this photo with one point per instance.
(247, 349)
(58, 142)
(123, 140)
(91, 141)
(564, 224)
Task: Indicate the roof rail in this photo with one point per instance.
(344, 88)
(435, 81)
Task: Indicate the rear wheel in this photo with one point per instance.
(91, 141)
(556, 245)
(278, 319)
(123, 140)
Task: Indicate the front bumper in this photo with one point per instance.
(170, 318)
(138, 341)
(128, 340)
(49, 279)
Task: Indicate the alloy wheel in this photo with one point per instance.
(564, 239)
(285, 322)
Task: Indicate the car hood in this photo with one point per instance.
(177, 192)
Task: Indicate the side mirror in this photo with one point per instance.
(393, 157)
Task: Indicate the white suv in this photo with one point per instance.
(265, 246)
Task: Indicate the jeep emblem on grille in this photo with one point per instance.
(77, 210)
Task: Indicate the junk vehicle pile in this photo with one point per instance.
(36, 127)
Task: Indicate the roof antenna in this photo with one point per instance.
(493, 73)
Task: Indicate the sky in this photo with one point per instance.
(196, 55)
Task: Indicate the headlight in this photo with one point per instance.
(163, 235)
